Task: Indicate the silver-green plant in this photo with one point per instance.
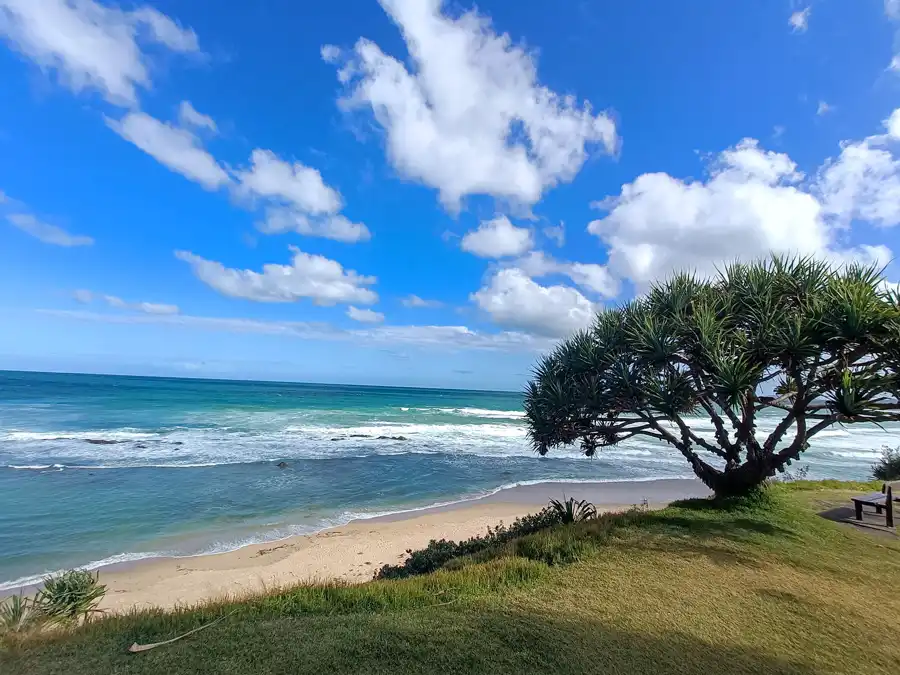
(16, 614)
(573, 510)
(70, 597)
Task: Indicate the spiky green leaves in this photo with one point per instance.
(820, 333)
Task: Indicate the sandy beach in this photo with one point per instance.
(354, 551)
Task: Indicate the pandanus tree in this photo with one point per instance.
(815, 344)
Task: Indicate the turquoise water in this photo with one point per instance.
(97, 469)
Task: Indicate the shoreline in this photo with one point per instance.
(353, 551)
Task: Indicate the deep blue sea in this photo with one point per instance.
(96, 469)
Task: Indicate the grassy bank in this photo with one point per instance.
(770, 588)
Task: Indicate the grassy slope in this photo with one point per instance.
(684, 590)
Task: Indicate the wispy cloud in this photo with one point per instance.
(87, 297)
(47, 233)
(439, 337)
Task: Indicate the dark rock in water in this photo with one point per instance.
(282, 465)
(141, 446)
(177, 443)
(392, 438)
(360, 436)
(100, 441)
(339, 438)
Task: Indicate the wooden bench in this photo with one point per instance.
(880, 500)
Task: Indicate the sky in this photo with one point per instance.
(411, 192)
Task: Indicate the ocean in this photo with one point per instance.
(99, 469)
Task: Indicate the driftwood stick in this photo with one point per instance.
(136, 648)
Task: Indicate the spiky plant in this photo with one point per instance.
(888, 467)
(69, 597)
(816, 344)
(16, 614)
(573, 510)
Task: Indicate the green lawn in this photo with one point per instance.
(766, 589)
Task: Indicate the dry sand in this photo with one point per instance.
(354, 551)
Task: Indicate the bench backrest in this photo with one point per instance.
(894, 485)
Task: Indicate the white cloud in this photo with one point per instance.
(893, 123)
(178, 149)
(320, 279)
(415, 302)
(589, 276)
(469, 116)
(892, 9)
(823, 108)
(49, 234)
(513, 300)
(365, 315)
(279, 220)
(437, 337)
(799, 21)
(557, 234)
(863, 182)
(754, 202)
(92, 45)
(87, 297)
(299, 199)
(189, 117)
(294, 183)
(497, 238)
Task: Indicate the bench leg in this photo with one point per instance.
(858, 510)
(889, 506)
(878, 510)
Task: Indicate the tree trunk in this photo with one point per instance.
(736, 481)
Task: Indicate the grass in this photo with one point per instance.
(766, 588)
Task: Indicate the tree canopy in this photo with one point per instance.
(815, 343)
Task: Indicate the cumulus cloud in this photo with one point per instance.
(87, 297)
(590, 277)
(468, 115)
(47, 233)
(513, 300)
(754, 202)
(297, 198)
(415, 302)
(799, 21)
(863, 182)
(497, 238)
(435, 337)
(92, 45)
(175, 147)
(322, 280)
(365, 315)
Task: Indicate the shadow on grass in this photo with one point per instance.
(461, 640)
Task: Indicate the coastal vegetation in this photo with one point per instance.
(816, 344)
(751, 585)
(888, 467)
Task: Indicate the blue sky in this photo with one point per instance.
(415, 192)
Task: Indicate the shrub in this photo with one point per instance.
(16, 614)
(888, 467)
(573, 511)
(439, 552)
(69, 597)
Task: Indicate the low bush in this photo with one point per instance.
(440, 552)
(16, 614)
(888, 467)
(69, 597)
(573, 510)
